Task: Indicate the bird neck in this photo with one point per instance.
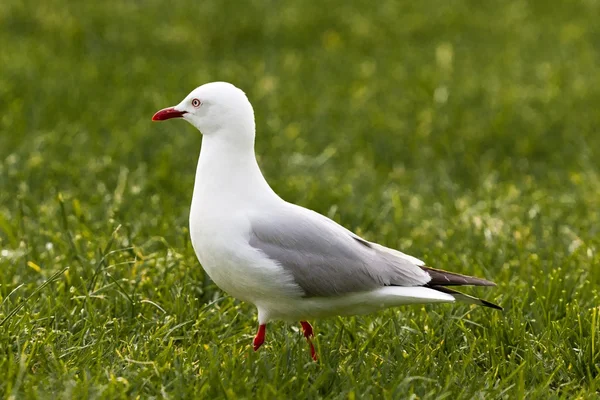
(228, 170)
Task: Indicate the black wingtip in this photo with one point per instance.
(439, 277)
(460, 296)
(491, 305)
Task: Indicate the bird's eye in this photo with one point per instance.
(196, 103)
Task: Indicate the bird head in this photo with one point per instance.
(216, 108)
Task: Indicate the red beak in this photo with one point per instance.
(167, 113)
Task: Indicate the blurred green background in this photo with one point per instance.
(462, 132)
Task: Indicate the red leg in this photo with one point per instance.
(308, 333)
(307, 329)
(259, 339)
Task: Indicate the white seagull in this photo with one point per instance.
(292, 263)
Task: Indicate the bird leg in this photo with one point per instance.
(308, 334)
(259, 339)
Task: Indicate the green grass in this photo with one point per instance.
(465, 133)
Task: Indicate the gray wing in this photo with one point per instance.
(326, 259)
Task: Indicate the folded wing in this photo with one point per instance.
(327, 260)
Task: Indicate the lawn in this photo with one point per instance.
(465, 133)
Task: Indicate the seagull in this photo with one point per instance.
(291, 263)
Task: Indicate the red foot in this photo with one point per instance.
(308, 333)
(259, 339)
